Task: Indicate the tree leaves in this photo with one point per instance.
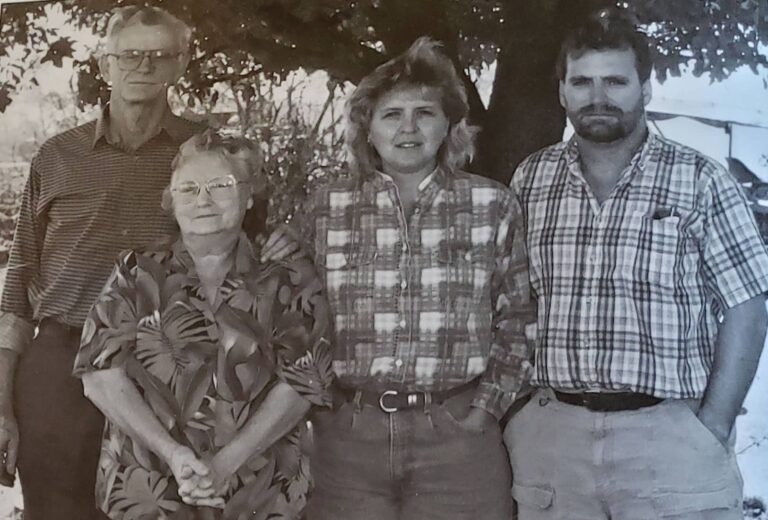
(60, 49)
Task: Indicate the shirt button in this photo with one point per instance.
(398, 363)
(403, 284)
(405, 247)
(402, 324)
(416, 210)
(124, 232)
(467, 256)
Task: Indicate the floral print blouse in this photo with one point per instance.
(204, 368)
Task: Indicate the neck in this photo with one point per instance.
(409, 182)
(213, 255)
(615, 155)
(133, 124)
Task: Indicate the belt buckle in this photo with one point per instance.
(384, 407)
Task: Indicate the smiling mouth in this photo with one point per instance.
(207, 215)
(408, 145)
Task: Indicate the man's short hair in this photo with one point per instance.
(606, 29)
(422, 65)
(123, 17)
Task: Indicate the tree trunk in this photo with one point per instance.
(524, 113)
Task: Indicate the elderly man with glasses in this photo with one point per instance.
(92, 191)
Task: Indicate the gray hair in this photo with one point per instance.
(123, 17)
(242, 155)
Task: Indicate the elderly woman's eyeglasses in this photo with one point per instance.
(219, 188)
(131, 59)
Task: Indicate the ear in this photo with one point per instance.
(104, 68)
(561, 92)
(183, 62)
(647, 92)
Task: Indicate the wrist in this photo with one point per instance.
(166, 448)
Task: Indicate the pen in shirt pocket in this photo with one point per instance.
(663, 213)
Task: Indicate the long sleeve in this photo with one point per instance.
(513, 314)
(16, 314)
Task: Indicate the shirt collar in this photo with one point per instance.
(170, 124)
(437, 176)
(245, 257)
(639, 158)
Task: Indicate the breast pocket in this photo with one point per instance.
(658, 252)
(349, 279)
(463, 275)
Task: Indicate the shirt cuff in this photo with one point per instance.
(15, 333)
(493, 399)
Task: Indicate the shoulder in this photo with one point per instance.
(480, 189)
(545, 162)
(324, 193)
(703, 167)
(75, 140)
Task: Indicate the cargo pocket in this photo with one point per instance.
(537, 498)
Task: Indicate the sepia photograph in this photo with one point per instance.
(383, 260)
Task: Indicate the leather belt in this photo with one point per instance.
(608, 402)
(391, 401)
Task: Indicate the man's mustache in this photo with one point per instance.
(598, 109)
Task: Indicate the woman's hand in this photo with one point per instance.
(196, 485)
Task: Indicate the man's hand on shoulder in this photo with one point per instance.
(282, 243)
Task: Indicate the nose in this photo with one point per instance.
(146, 64)
(203, 197)
(597, 93)
(408, 123)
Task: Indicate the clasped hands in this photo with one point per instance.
(200, 483)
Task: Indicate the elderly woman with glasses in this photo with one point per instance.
(426, 274)
(204, 360)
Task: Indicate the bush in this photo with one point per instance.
(12, 178)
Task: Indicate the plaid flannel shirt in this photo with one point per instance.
(429, 301)
(629, 292)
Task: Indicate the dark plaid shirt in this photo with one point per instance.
(85, 201)
(430, 301)
(629, 292)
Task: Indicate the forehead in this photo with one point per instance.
(203, 167)
(601, 63)
(146, 37)
(408, 95)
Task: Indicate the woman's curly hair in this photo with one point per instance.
(422, 65)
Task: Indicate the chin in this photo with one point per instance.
(601, 133)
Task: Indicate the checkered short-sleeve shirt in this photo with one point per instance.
(629, 292)
(429, 301)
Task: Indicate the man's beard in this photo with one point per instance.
(612, 124)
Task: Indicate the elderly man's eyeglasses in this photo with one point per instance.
(219, 188)
(131, 59)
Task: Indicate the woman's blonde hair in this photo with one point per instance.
(422, 65)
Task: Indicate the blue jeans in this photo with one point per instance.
(418, 464)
